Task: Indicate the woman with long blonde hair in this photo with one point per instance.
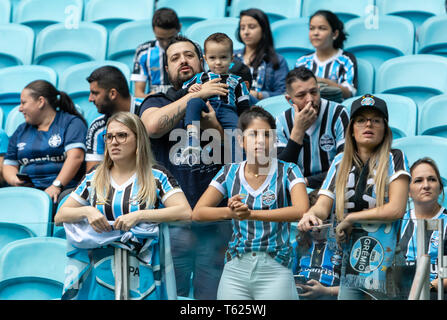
(369, 184)
(126, 192)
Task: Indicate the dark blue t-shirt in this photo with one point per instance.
(193, 180)
(41, 154)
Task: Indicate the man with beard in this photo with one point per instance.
(197, 248)
(312, 132)
(110, 93)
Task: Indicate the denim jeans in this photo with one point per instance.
(199, 251)
(256, 276)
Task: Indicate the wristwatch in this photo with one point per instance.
(58, 184)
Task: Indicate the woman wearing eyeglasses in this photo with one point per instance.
(123, 202)
(369, 185)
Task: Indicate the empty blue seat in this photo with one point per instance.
(275, 12)
(394, 37)
(275, 105)
(433, 117)
(425, 146)
(60, 48)
(402, 112)
(38, 14)
(365, 77)
(201, 30)
(16, 45)
(5, 11)
(416, 11)
(419, 77)
(432, 36)
(125, 39)
(33, 269)
(344, 9)
(192, 11)
(111, 13)
(291, 39)
(14, 79)
(29, 207)
(13, 120)
(73, 82)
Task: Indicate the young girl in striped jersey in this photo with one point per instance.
(333, 66)
(264, 195)
(127, 192)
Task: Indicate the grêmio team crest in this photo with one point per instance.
(366, 255)
(268, 198)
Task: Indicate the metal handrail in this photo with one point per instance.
(420, 276)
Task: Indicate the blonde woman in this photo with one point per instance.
(369, 183)
(127, 192)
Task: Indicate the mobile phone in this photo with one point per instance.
(321, 227)
(299, 279)
(24, 177)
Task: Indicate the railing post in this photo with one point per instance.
(421, 251)
(419, 282)
(441, 259)
(121, 275)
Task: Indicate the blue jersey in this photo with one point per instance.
(41, 154)
(94, 141)
(322, 141)
(317, 256)
(371, 247)
(122, 198)
(149, 65)
(408, 240)
(341, 68)
(274, 193)
(238, 94)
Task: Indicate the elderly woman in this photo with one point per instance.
(122, 203)
(368, 183)
(49, 147)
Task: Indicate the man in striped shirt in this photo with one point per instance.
(312, 132)
(149, 64)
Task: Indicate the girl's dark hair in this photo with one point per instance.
(247, 117)
(431, 163)
(265, 50)
(56, 99)
(336, 24)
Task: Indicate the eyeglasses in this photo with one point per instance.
(362, 121)
(120, 137)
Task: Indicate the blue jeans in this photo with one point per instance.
(199, 250)
(225, 114)
(256, 276)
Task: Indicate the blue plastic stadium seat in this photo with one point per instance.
(419, 77)
(13, 120)
(111, 13)
(292, 45)
(199, 31)
(192, 11)
(416, 11)
(73, 82)
(125, 39)
(432, 36)
(60, 48)
(16, 45)
(35, 213)
(275, 105)
(59, 231)
(425, 146)
(5, 11)
(394, 37)
(365, 77)
(33, 269)
(433, 117)
(344, 9)
(38, 14)
(402, 113)
(275, 12)
(14, 79)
